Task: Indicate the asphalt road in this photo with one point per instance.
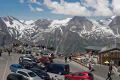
(5, 62)
(100, 72)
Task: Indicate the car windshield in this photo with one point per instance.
(19, 66)
(27, 60)
(31, 74)
(40, 72)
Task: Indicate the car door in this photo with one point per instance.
(77, 76)
(12, 68)
(23, 74)
(15, 68)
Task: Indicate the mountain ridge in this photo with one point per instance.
(76, 32)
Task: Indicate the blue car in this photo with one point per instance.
(58, 68)
(15, 67)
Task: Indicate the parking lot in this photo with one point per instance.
(6, 61)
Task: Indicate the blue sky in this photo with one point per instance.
(58, 9)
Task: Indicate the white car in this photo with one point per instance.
(28, 74)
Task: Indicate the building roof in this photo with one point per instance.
(96, 48)
(110, 47)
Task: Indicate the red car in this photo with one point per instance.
(79, 76)
(44, 59)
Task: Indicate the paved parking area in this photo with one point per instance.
(6, 61)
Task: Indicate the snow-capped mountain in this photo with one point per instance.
(67, 35)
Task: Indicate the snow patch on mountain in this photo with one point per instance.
(97, 31)
(59, 23)
(29, 22)
(36, 30)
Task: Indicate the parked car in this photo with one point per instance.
(14, 76)
(28, 74)
(44, 59)
(58, 68)
(27, 62)
(15, 67)
(79, 76)
(41, 73)
(30, 56)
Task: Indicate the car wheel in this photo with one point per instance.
(67, 78)
(60, 73)
(45, 70)
(11, 78)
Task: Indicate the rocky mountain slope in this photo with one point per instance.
(67, 36)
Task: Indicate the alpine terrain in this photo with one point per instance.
(66, 36)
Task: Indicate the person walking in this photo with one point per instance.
(70, 58)
(0, 52)
(65, 59)
(9, 51)
(109, 76)
(90, 67)
(110, 68)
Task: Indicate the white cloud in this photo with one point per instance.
(62, 1)
(31, 7)
(87, 8)
(21, 1)
(116, 7)
(35, 1)
(91, 3)
(101, 7)
(67, 8)
(37, 9)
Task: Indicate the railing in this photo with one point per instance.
(78, 61)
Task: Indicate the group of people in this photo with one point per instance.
(8, 50)
(69, 57)
(109, 73)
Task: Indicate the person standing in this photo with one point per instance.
(110, 68)
(109, 76)
(90, 67)
(65, 59)
(0, 52)
(9, 51)
(70, 58)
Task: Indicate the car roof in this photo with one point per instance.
(27, 58)
(37, 69)
(85, 72)
(59, 64)
(24, 70)
(16, 64)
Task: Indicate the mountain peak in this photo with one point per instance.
(115, 21)
(81, 18)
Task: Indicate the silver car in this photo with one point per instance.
(28, 74)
